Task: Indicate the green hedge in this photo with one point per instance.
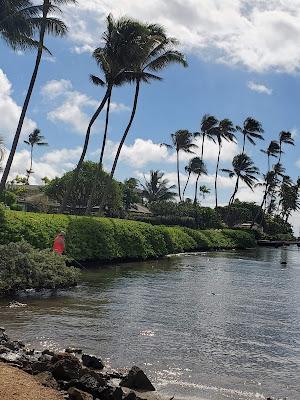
(108, 239)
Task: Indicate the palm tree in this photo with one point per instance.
(224, 131)
(156, 188)
(204, 190)
(182, 140)
(251, 130)
(289, 197)
(122, 42)
(198, 168)
(34, 139)
(157, 53)
(49, 25)
(272, 151)
(2, 152)
(208, 123)
(243, 169)
(284, 138)
(18, 23)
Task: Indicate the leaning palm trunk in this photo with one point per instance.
(14, 146)
(196, 189)
(187, 182)
(236, 188)
(91, 198)
(178, 176)
(244, 144)
(84, 150)
(216, 177)
(112, 172)
(202, 147)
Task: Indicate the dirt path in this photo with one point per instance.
(17, 385)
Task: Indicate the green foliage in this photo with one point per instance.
(16, 207)
(8, 198)
(24, 267)
(184, 214)
(106, 239)
(130, 193)
(57, 187)
(2, 214)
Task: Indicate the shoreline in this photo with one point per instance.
(71, 374)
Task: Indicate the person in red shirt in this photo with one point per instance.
(59, 243)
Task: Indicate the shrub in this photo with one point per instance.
(107, 239)
(8, 198)
(23, 267)
(16, 207)
(2, 214)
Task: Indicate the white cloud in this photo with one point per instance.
(256, 87)
(62, 155)
(260, 35)
(10, 111)
(73, 104)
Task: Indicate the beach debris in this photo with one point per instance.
(92, 362)
(137, 379)
(16, 304)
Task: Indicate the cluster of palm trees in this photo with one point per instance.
(130, 52)
(276, 184)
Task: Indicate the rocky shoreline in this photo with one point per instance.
(77, 376)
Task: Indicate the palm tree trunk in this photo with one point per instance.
(216, 177)
(99, 168)
(235, 191)
(30, 167)
(187, 182)
(261, 207)
(136, 96)
(6, 171)
(244, 144)
(112, 172)
(84, 150)
(280, 147)
(178, 175)
(202, 147)
(268, 162)
(196, 189)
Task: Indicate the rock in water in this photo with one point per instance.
(92, 362)
(137, 379)
(76, 394)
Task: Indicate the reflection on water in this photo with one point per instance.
(214, 326)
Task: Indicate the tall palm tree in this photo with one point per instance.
(208, 123)
(49, 25)
(289, 197)
(18, 23)
(157, 54)
(204, 190)
(285, 137)
(272, 151)
(121, 46)
(224, 131)
(198, 168)
(157, 188)
(34, 139)
(182, 140)
(251, 130)
(243, 169)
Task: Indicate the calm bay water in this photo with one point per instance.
(205, 326)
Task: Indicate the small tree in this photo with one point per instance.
(34, 139)
(157, 188)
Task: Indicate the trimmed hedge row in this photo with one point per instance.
(107, 239)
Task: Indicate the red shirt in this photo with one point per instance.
(59, 244)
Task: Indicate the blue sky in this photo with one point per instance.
(243, 60)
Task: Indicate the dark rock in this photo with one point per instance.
(46, 379)
(66, 367)
(116, 375)
(3, 349)
(29, 352)
(76, 394)
(101, 378)
(71, 350)
(130, 396)
(137, 379)
(48, 352)
(92, 362)
(105, 393)
(45, 358)
(88, 384)
(117, 394)
(40, 366)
